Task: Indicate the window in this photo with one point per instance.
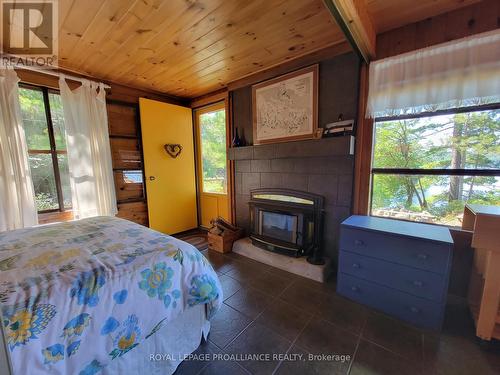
(426, 167)
(212, 133)
(43, 119)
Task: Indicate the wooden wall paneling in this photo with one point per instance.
(136, 212)
(363, 152)
(127, 190)
(130, 94)
(126, 153)
(122, 120)
(118, 92)
(214, 97)
(391, 14)
(473, 19)
(128, 165)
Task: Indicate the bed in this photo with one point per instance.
(103, 295)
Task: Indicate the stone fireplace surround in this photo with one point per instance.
(324, 167)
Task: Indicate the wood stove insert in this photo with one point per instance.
(288, 222)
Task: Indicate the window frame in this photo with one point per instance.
(473, 172)
(53, 151)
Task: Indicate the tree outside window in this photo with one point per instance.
(43, 121)
(426, 168)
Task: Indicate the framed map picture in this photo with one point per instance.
(286, 108)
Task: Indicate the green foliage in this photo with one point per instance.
(35, 120)
(460, 141)
(213, 151)
(45, 202)
(37, 137)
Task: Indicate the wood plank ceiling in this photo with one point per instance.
(188, 48)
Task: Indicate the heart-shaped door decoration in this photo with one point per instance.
(173, 149)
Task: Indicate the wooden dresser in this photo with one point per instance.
(484, 287)
(398, 267)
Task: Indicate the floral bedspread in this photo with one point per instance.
(77, 295)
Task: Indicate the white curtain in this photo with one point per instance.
(456, 74)
(17, 198)
(89, 154)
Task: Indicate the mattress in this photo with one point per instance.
(77, 297)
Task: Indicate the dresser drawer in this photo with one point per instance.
(416, 253)
(420, 283)
(418, 311)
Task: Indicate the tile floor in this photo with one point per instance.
(267, 310)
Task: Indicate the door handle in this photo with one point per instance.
(152, 178)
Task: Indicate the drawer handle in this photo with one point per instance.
(358, 243)
(418, 283)
(354, 288)
(422, 256)
(414, 309)
(356, 265)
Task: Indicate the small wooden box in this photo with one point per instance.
(223, 243)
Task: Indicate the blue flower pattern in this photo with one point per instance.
(203, 290)
(86, 287)
(120, 297)
(53, 354)
(127, 338)
(162, 271)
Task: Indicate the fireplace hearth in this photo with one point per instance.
(287, 222)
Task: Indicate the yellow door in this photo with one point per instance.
(212, 163)
(170, 182)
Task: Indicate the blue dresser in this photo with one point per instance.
(398, 267)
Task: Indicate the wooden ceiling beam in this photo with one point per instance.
(353, 19)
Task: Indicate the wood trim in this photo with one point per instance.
(221, 104)
(363, 153)
(312, 69)
(230, 124)
(288, 66)
(229, 165)
(212, 98)
(353, 19)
